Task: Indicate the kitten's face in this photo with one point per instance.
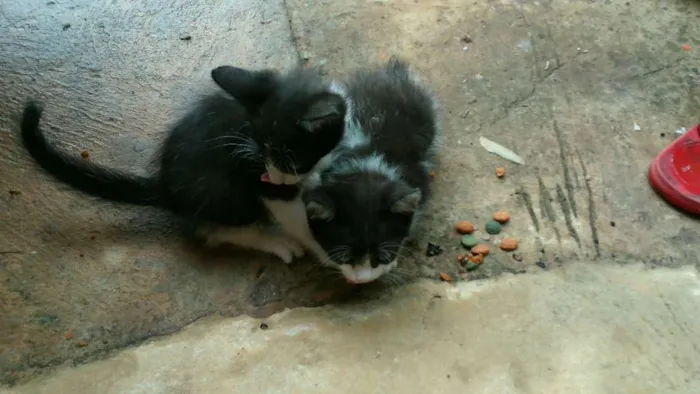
(299, 117)
(295, 133)
(361, 221)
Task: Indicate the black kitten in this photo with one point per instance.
(363, 207)
(212, 164)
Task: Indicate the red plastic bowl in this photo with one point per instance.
(675, 172)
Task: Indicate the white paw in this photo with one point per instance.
(283, 253)
(296, 247)
(286, 248)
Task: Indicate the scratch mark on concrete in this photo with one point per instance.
(592, 216)
(568, 184)
(566, 209)
(527, 200)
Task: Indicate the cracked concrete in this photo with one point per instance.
(560, 82)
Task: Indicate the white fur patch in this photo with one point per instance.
(372, 163)
(278, 177)
(253, 237)
(291, 217)
(364, 273)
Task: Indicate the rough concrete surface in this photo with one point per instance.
(582, 329)
(560, 82)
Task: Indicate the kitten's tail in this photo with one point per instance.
(80, 173)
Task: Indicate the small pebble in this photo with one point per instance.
(464, 227)
(541, 264)
(485, 237)
(517, 257)
(85, 154)
(469, 241)
(481, 249)
(264, 326)
(493, 227)
(185, 37)
(501, 217)
(81, 343)
(433, 250)
(471, 266)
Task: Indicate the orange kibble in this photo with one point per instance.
(501, 217)
(84, 154)
(476, 258)
(509, 244)
(685, 47)
(500, 172)
(481, 249)
(464, 227)
(68, 336)
(445, 277)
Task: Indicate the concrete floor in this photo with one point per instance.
(560, 82)
(580, 329)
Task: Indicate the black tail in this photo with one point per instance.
(80, 173)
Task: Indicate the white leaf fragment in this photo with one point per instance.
(500, 150)
(636, 127)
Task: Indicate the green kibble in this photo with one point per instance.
(471, 266)
(469, 241)
(493, 227)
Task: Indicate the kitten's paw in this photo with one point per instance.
(296, 247)
(283, 253)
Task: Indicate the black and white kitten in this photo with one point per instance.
(363, 207)
(216, 164)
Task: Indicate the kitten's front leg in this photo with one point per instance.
(254, 236)
(291, 216)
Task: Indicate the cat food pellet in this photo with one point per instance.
(445, 277)
(500, 172)
(464, 227)
(68, 336)
(433, 175)
(501, 217)
(493, 227)
(481, 249)
(685, 47)
(471, 266)
(469, 241)
(476, 258)
(509, 244)
(85, 154)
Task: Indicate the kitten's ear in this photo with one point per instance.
(319, 206)
(327, 110)
(406, 199)
(251, 88)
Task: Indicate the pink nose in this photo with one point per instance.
(265, 177)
